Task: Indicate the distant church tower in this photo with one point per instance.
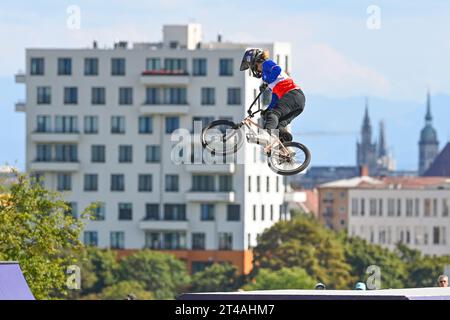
(385, 161)
(366, 150)
(428, 144)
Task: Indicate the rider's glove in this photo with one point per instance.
(263, 87)
(263, 112)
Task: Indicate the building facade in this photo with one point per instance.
(99, 128)
(412, 211)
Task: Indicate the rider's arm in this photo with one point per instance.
(273, 102)
(270, 71)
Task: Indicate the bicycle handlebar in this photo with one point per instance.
(249, 111)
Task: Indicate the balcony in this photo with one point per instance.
(20, 77)
(20, 106)
(210, 196)
(164, 109)
(55, 137)
(55, 166)
(164, 224)
(210, 168)
(164, 77)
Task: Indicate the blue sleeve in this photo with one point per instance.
(270, 71)
(274, 101)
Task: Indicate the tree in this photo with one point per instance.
(360, 255)
(304, 243)
(120, 290)
(217, 277)
(36, 231)
(161, 273)
(284, 278)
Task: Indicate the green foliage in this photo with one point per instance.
(304, 243)
(284, 278)
(222, 277)
(36, 231)
(120, 290)
(161, 273)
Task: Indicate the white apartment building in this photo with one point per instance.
(412, 211)
(99, 125)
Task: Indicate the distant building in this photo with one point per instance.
(441, 165)
(305, 201)
(414, 211)
(428, 144)
(385, 162)
(322, 174)
(366, 149)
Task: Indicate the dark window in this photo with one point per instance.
(225, 241)
(152, 211)
(207, 212)
(44, 95)
(125, 154)
(98, 96)
(98, 153)
(125, 211)
(226, 67)
(91, 124)
(208, 96)
(153, 154)
(233, 212)
(199, 67)
(64, 66)
(117, 240)
(145, 125)
(234, 96)
(99, 212)
(117, 66)
(125, 96)
(172, 124)
(70, 95)
(145, 182)
(172, 183)
(175, 212)
(64, 182)
(37, 66)
(118, 124)
(198, 241)
(90, 182)
(225, 183)
(90, 238)
(117, 182)
(91, 66)
(203, 183)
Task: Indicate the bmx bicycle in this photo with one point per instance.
(224, 137)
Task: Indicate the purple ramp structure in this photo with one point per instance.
(13, 285)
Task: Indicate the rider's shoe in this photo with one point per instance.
(285, 136)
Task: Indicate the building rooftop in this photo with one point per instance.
(352, 182)
(441, 165)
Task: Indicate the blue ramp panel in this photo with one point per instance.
(13, 285)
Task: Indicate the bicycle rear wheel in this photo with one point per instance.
(222, 137)
(295, 160)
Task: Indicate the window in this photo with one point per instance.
(208, 96)
(277, 184)
(263, 213)
(355, 206)
(90, 182)
(427, 207)
(174, 240)
(203, 183)
(99, 212)
(207, 212)
(172, 183)
(175, 96)
(176, 65)
(152, 211)
(145, 125)
(98, 95)
(233, 212)
(153, 96)
(153, 64)
(391, 207)
(90, 238)
(118, 124)
(436, 236)
(70, 95)
(72, 210)
(145, 182)
(258, 184)
(234, 96)
(44, 152)
(66, 152)
(409, 207)
(125, 96)
(153, 240)
(225, 241)
(90, 66)
(64, 182)
(172, 124)
(199, 67)
(399, 207)
(117, 66)
(198, 123)
(125, 211)
(417, 207)
(249, 184)
(175, 212)
(225, 183)
(198, 266)
(435, 207)
(152, 153)
(98, 153)
(90, 124)
(117, 182)
(43, 95)
(445, 207)
(286, 64)
(225, 67)
(363, 207)
(37, 66)
(66, 124)
(198, 241)
(64, 66)
(117, 240)
(271, 212)
(380, 207)
(125, 154)
(44, 123)
(267, 184)
(254, 212)
(373, 207)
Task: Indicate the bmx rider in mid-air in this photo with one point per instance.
(288, 100)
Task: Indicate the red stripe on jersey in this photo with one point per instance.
(284, 87)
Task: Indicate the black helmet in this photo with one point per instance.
(251, 57)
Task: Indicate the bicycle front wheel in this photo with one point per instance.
(222, 137)
(292, 159)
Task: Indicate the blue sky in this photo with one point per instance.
(335, 55)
